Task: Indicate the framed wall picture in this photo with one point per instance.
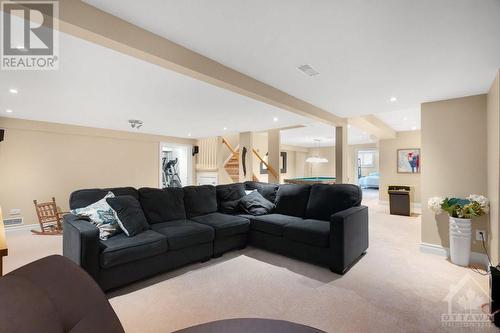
(409, 160)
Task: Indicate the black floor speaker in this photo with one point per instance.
(495, 294)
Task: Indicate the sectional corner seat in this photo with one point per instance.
(320, 223)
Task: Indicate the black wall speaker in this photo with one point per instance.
(495, 294)
(196, 150)
(2, 133)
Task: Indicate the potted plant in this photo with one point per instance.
(461, 212)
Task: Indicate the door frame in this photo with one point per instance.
(189, 150)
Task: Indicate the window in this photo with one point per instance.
(366, 158)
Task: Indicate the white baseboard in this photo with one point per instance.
(22, 227)
(475, 257)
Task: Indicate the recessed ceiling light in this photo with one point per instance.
(275, 119)
(189, 134)
(8, 111)
(13, 91)
(405, 118)
(308, 70)
(393, 99)
(225, 128)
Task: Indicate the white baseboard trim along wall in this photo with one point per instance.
(475, 257)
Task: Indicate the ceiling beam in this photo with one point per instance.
(373, 126)
(92, 24)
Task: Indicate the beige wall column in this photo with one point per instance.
(454, 158)
(246, 141)
(493, 167)
(341, 154)
(273, 148)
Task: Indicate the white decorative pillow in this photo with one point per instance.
(102, 216)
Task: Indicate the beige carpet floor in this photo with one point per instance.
(394, 288)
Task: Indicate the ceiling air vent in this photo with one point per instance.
(13, 222)
(308, 70)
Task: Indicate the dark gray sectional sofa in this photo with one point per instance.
(323, 224)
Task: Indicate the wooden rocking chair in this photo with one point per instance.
(49, 217)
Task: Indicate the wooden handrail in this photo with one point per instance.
(269, 168)
(3, 243)
(228, 145)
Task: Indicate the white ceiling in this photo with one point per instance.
(99, 87)
(365, 51)
(306, 136)
(402, 120)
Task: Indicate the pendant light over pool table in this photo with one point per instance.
(316, 158)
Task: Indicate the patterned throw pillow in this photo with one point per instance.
(102, 216)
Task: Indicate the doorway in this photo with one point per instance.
(175, 165)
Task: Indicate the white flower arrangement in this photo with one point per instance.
(481, 200)
(435, 203)
(473, 205)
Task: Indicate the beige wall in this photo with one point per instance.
(39, 160)
(493, 167)
(454, 155)
(388, 164)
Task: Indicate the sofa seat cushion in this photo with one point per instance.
(121, 249)
(273, 224)
(185, 233)
(224, 225)
(311, 232)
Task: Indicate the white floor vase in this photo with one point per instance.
(460, 241)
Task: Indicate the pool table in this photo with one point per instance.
(311, 180)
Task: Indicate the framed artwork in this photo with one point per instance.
(283, 164)
(409, 160)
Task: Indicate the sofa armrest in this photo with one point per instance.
(348, 237)
(81, 243)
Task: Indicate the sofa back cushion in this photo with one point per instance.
(326, 200)
(200, 200)
(268, 191)
(83, 198)
(292, 199)
(162, 205)
(228, 197)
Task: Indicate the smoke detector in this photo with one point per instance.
(135, 123)
(308, 70)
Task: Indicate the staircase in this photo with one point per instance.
(232, 163)
(232, 167)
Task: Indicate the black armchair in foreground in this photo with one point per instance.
(54, 295)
